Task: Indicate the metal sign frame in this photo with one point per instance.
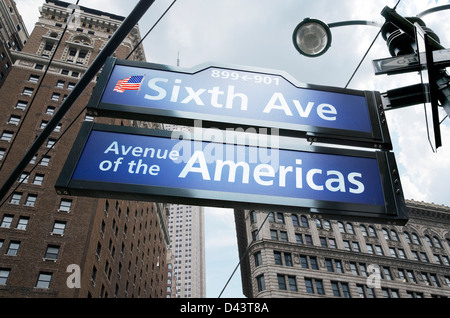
(378, 137)
(392, 209)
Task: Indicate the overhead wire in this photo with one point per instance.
(367, 52)
(244, 254)
(21, 180)
(36, 92)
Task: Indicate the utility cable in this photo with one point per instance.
(79, 114)
(151, 29)
(37, 90)
(245, 254)
(367, 52)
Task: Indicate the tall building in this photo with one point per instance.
(186, 264)
(60, 246)
(297, 256)
(13, 35)
(186, 228)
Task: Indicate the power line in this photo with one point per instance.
(80, 113)
(36, 92)
(245, 254)
(367, 52)
(110, 47)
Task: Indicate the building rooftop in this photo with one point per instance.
(87, 10)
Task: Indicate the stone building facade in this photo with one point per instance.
(297, 256)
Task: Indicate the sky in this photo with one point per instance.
(258, 33)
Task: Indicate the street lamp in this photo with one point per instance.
(313, 38)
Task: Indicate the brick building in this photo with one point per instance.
(58, 246)
(298, 256)
(13, 35)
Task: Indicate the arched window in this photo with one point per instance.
(304, 221)
(364, 230)
(394, 235)
(295, 220)
(350, 229)
(326, 225)
(372, 232)
(341, 227)
(386, 234)
(437, 242)
(407, 237)
(416, 239)
(429, 241)
(318, 224)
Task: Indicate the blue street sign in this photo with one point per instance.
(134, 163)
(228, 97)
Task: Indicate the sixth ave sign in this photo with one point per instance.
(227, 97)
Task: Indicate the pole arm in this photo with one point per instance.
(121, 33)
(432, 10)
(354, 22)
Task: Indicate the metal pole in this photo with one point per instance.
(121, 33)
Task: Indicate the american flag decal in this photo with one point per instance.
(132, 83)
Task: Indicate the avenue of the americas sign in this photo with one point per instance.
(148, 165)
(226, 97)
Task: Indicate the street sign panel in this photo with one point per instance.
(226, 97)
(163, 166)
(410, 63)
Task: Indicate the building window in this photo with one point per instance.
(261, 283)
(258, 259)
(304, 221)
(55, 97)
(295, 220)
(292, 283)
(21, 105)
(60, 84)
(31, 200)
(7, 136)
(27, 91)
(50, 110)
(52, 252)
(281, 282)
(4, 274)
(44, 280)
(274, 235)
(314, 286)
(59, 228)
(51, 142)
(45, 161)
(65, 205)
(14, 120)
(7, 221)
(33, 78)
(13, 248)
(43, 124)
(15, 198)
(365, 292)
(38, 179)
(23, 223)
